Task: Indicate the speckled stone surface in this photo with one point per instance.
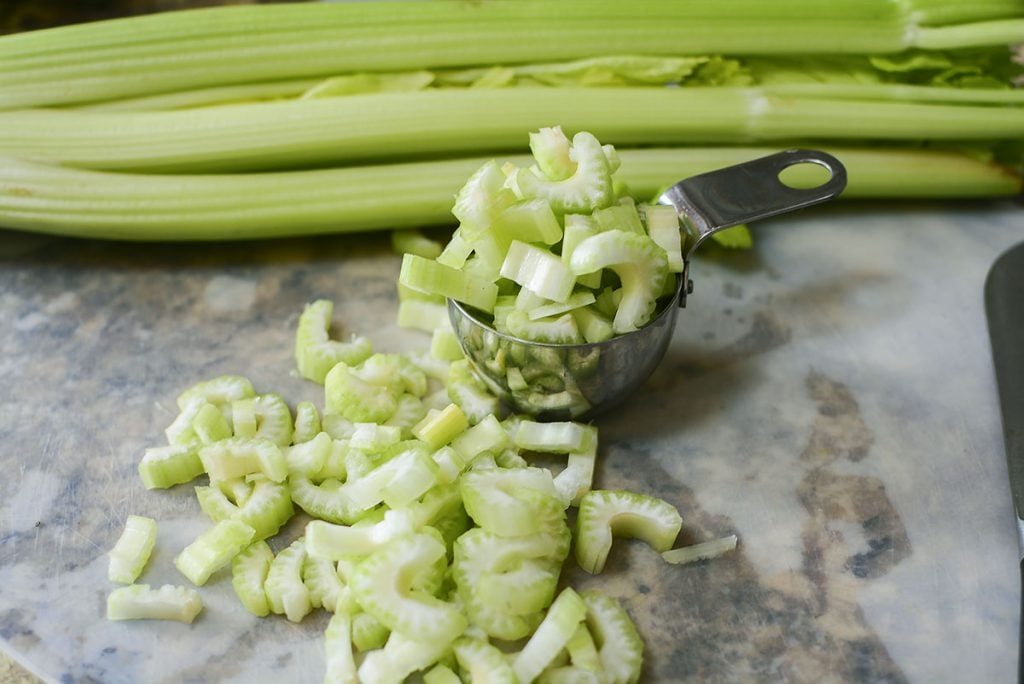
(828, 397)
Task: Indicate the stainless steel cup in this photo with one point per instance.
(579, 381)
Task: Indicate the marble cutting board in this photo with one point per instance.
(828, 397)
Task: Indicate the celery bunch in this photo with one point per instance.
(249, 121)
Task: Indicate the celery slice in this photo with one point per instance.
(593, 325)
(267, 508)
(215, 504)
(401, 656)
(640, 264)
(373, 437)
(511, 502)
(587, 189)
(412, 241)
(579, 227)
(321, 579)
(409, 474)
(337, 425)
(528, 221)
(432, 277)
(483, 662)
(307, 422)
(663, 227)
(550, 148)
(334, 465)
(456, 251)
(444, 344)
(382, 585)
(578, 476)
(528, 586)
(368, 632)
(417, 314)
(559, 438)
(327, 500)
(236, 457)
(131, 552)
(286, 593)
(218, 391)
(466, 390)
(618, 642)
(561, 330)
(486, 436)
(441, 674)
(213, 549)
(140, 602)
(583, 651)
(480, 201)
(273, 419)
(408, 413)
(356, 399)
(558, 627)
(703, 551)
(308, 458)
(621, 216)
(163, 467)
(604, 513)
(180, 431)
(450, 464)
(575, 301)
(334, 542)
(248, 574)
(538, 271)
(315, 352)
(243, 417)
(570, 675)
(341, 665)
(441, 427)
(210, 425)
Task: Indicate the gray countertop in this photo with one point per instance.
(828, 397)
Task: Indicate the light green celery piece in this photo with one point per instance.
(482, 662)
(550, 148)
(308, 458)
(587, 189)
(528, 221)
(577, 477)
(327, 500)
(273, 419)
(622, 216)
(559, 438)
(368, 633)
(223, 389)
(321, 579)
(248, 574)
(480, 201)
(266, 509)
(408, 413)
(286, 593)
(528, 586)
(210, 425)
(619, 645)
(382, 584)
(558, 627)
(640, 264)
(418, 314)
(405, 476)
(570, 674)
(450, 464)
(331, 542)
(213, 549)
(180, 431)
(466, 390)
(433, 368)
(315, 352)
(412, 241)
(432, 277)
(444, 344)
(414, 476)
(215, 504)
(582, 650)
(338, 656)
(607, 513)
(608, 301)
(373, 437)
(131, 552)
(441, 674)
(456, 251)
(337, 425)
(527, 300)
(244, 422)
(140, 602)
(663, 227)
(486, 436)
(236, 457)
(237, 489)
(441, 427)
(551, 330)
(362, 83)
(575, 301)
(441, 501)
(515, 379)
(592, 325)
(401, 656)
(509, 458)
(538, 271)
(511, 501)
(334, 464)
(356, 399)
(163, 467)
(307, 422)
(703, 551)
(736, 237)
(405, 293)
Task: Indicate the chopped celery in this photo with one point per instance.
(218, 391)
(582, 650)
(558, 627)
(422, 315)
(604, 513)
(213, 550)
(131, 552)
(315, 352)
(210, 425)
(587, 189)
(273, 419)
(412, 241)
(511, 502)
(444, 344)
(528, 221)
(483, 662)
(140, 602)
(321, 579)
(307, 458)
(456, 251)
(622, 216)
(180, 431)
(575, 301)
(619, 645)
(441, 674)
(663, 227)
(486, 436)
(286, 593)
(480, 200)
(561, 330)
(334, 542)
(441, 427)
(307, 422)
(431, 277)
(356, 399)
(593, 325)
(409, 412)
(373, 437)
(368, 632)
(236, 457)
(538, 271)
(550, 148)
(163, 467)
(248, 574)
(341, 665)
(266, 509)
(401, 656)
(471, 395)
(703, 551)
(243, 417)
(570, 674)
(327, 500)
(559, 438)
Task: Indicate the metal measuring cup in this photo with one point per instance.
(579, 381)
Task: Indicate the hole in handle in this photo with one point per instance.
(805, 175)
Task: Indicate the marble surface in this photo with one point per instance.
(828, 397)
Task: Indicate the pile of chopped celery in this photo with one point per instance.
(431, 538)
(557, 252)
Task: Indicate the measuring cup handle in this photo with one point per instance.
(749, 191)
